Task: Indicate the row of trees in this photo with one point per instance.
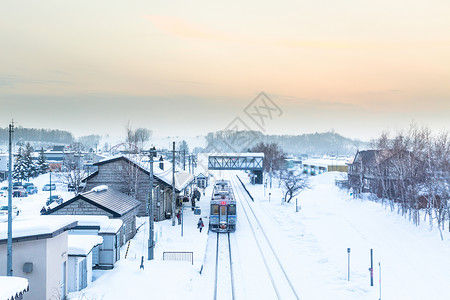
(26, 167)
(413, 171)
(38, 135)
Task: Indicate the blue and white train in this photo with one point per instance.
(223, 208)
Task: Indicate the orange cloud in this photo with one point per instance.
(183, 28)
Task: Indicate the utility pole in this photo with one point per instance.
(9, 270)
(270, 174)
(150, 209)
(173, 185)
(189, 158)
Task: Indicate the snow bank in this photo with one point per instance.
(11, 286)
(100, 188)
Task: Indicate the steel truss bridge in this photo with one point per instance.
(236, 161)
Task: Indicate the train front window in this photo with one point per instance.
(214, 209)
(232, 209)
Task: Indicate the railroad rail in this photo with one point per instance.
(281, 283)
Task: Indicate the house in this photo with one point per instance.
(80, 260)
(103, 201)
(372, 172)
(40, 247)
(130, 175)
(13, 288)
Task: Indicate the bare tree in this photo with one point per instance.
(132, 174)
(136, 138)
(273, 158)
(293, 184)
(73, 172)
(413, 173)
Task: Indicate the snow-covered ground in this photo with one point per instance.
(311, 243)
(31, 205)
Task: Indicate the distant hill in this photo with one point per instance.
(329, 143)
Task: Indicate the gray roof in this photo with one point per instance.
(110, 200)
(113, 200)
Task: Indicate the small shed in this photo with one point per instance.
(104, 201)
(13, 288)
(107, 253)
(202, 181)
(80, 260)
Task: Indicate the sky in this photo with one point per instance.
(190, 67)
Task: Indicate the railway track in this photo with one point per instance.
(224, 279)
(280, 281)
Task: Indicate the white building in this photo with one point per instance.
(40, 247)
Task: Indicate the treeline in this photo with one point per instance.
(413, 172)
(329, 143)
(37, 135)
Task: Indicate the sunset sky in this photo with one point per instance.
(190, 67)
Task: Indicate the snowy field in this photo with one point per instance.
(311, 243)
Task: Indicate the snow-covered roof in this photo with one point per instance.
(182, 178)
(36, 226)
(83, 244)
(12, 287)
(105, 224)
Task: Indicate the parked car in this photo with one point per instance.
(49, 187)
(71, 187)
(19, 191)
(31, 190)
(27, 184)
(4, 210)
(54, 198)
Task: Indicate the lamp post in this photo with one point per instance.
(50, 189)
(173, 185)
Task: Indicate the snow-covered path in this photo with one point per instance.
(414, 261)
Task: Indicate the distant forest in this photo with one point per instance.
(38, 135)
(45, 137)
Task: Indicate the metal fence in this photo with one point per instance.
(179, 256)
